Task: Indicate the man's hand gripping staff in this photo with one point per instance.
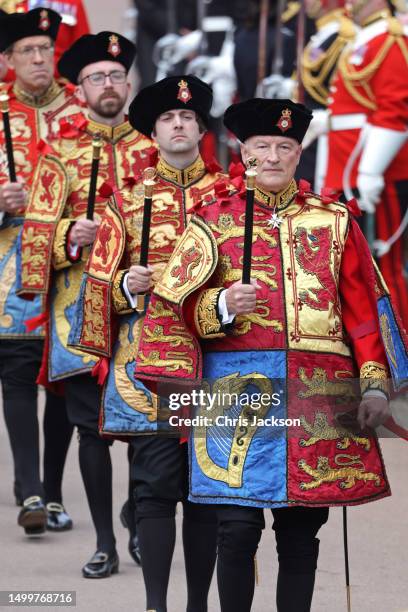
(139, 277)
(84, 230)
(12, 194)
(240, 298)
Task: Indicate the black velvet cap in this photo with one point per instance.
(185, 91)
(262, 117)
(92, 48)
(38, 22)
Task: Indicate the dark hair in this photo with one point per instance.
(201, 125)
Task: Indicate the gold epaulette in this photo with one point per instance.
(291, 11)
(316, 73)
(11, 6)
(360, 78)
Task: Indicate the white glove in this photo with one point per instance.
(218, 72)
(381, 145)
(318, 126)
(275, 87)
(370, 187)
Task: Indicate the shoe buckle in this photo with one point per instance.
(55, 507)
(101, 558)
(32, 500)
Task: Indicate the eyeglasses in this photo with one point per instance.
(98, 79)
(45, 50)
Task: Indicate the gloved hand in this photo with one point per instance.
(318, 126)
(276, 86)
(370, 187)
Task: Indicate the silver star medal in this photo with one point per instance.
(275, 221)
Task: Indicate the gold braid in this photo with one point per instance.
(351, 76)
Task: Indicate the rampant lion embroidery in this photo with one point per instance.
(189, 260)
(102, 250)
(47, 179)
(313, 254)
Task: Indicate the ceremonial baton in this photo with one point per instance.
(149, 183)
(346, 558)
(96, 154)
(4, 103)
(251, 174)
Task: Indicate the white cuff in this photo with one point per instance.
(129, 296)
(73, 249)
(223, 310)
(374, 393)
(2, 213)
(380, 147)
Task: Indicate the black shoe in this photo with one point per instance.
(17, 493)
(57, 517)
(128, 521)
(101, 565)
(33, 516)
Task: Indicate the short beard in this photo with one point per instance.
(110, 109)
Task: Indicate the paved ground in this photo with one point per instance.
(378, 550)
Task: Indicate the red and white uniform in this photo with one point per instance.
(368, 134)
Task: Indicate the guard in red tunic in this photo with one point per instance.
(368, 132)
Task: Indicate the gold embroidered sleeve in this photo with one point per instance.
(120, 302)
(374, 375)
(206, 317)
(60, 255)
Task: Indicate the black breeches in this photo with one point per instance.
(20, 362)
(83, 401)
(240, 530)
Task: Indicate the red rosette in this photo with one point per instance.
(212, 166)
(43, 147)
(329, 195)
(353, 207)
(105, 190)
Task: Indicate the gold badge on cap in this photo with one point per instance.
(114, 46)
(44, 21)
(285, 122)
(184, 94)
